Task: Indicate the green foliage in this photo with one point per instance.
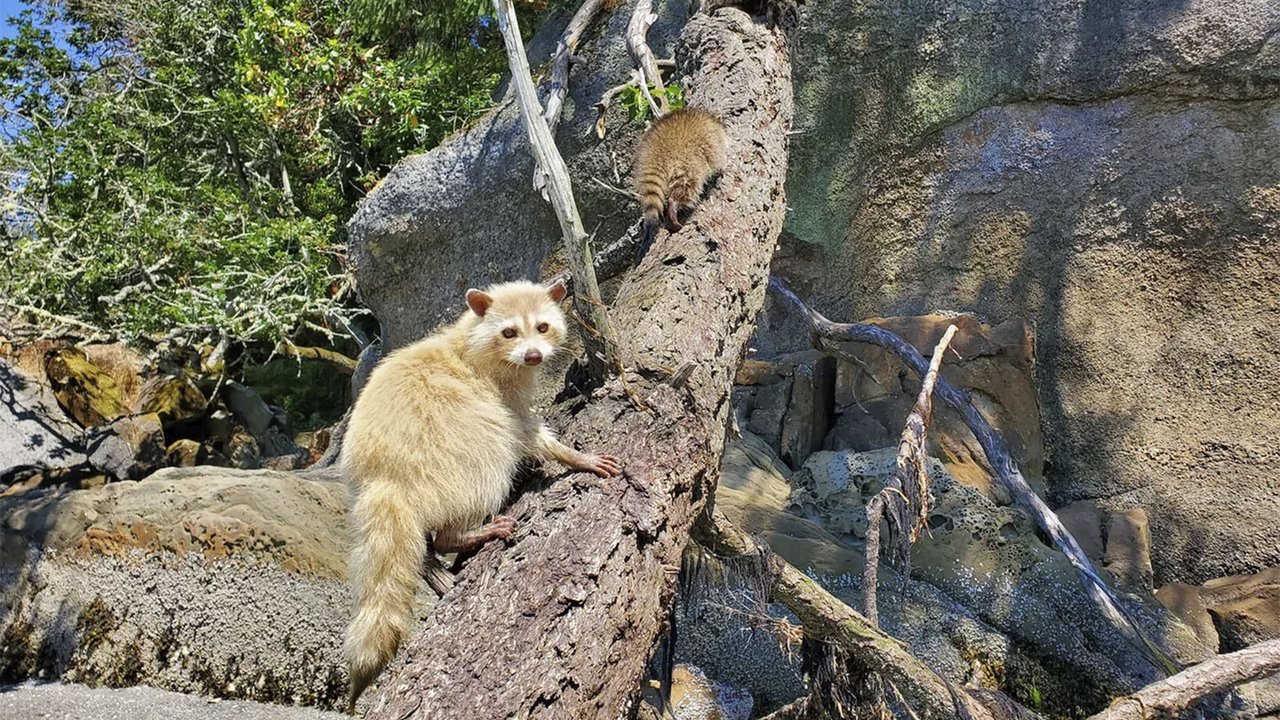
(176, 163)
(637, 105)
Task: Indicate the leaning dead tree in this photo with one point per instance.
(562, 622)
(827, 335)
(1168, 698)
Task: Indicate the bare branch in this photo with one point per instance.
(601, 342)
(907, 492)
(1169, 697)
(637, 32)
(337, 359)
(559, 87)
(827, 333)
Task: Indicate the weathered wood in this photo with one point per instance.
(558, 88)
(637, 42)
(825, 617)
(1169, 697)
(598, 336)
(907, 492)
(827, 333)
(561, 622)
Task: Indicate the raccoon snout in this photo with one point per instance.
(532, 357)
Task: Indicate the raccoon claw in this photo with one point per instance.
(603, 465)
(500, 528)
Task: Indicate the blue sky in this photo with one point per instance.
(8, 8)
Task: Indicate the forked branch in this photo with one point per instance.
(827, 333)
(906, 494)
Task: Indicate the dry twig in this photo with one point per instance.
(827, 333)
(907, 492)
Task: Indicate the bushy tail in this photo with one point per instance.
(390, 544)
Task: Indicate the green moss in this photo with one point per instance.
(16, 661)
(126, 668)
(94, 626)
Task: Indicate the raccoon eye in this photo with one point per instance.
(508, 333)
(542, 327)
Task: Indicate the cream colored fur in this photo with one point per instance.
(432, 446)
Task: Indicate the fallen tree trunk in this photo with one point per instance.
(562, 622)
(1169, 697)
(827, 618)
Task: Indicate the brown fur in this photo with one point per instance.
(431, 448)
(674, 160)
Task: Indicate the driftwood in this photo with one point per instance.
(825, 617)
(559, 86)
(563, 620)
(827, 334)
(646, 64)
(907, 492)
(1169, 697)
(598, 336)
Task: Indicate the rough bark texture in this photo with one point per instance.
(1168, 698)
(562, 623)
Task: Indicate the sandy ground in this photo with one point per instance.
(31, 701)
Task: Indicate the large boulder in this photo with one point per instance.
(34, 431)
(1107, 169)
(465, 214)
(223, 582)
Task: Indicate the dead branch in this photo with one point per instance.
(559, 87)
(907, 492)
(827, 333)
(337, 359)
(825, 617)
(562, 621)
(1169, 697)
(637, 42)
(599, 338)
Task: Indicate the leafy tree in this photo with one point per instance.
(192, 163)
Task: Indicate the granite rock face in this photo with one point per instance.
(1108, 171)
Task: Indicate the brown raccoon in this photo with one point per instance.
(676, 157)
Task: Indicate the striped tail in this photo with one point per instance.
(390, 545)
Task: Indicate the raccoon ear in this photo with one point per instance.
(557, 291)
(478, 301)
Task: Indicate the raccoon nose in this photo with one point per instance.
(533, 357)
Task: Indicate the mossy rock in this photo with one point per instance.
(174, 398)
(85, 391)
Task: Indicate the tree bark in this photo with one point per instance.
(561, 622)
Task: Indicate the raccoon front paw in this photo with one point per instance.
(602, 465)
